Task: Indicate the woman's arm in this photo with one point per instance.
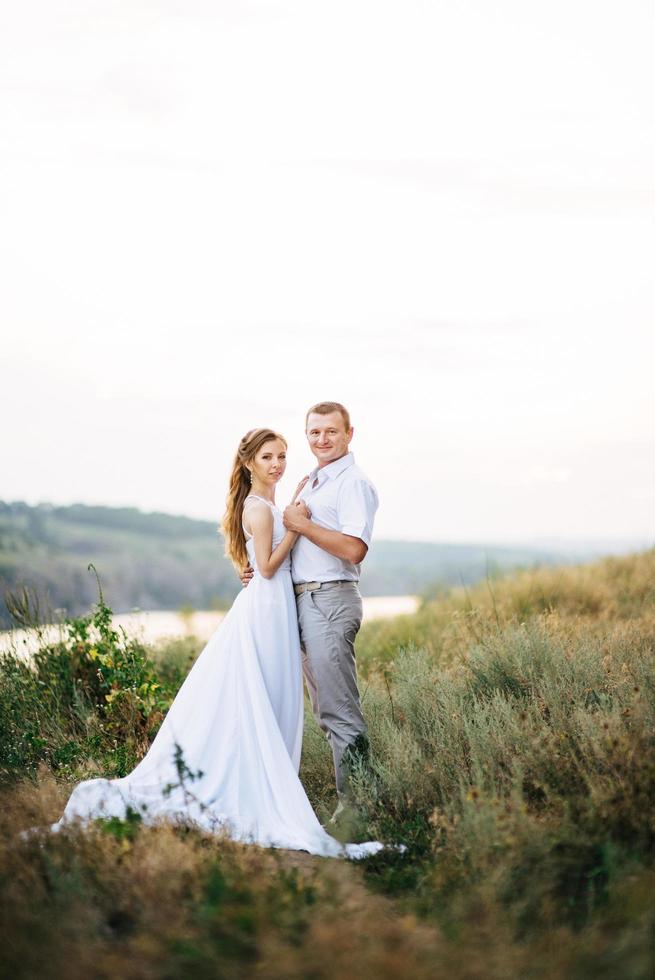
(344, 546)
(268, 558)
(299, 488)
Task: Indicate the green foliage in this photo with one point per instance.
(93, 695)
(612, 590)
(511, 751)
(125, 829)
(529, 768)
(173, 658)
(114, 668)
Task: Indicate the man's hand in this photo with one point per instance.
(246, 575)
(296, 516)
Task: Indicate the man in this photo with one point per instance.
(334, 516)
(326, 562)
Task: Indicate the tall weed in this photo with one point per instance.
(512, 752)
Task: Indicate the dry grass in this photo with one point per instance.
(513, 751)
(612, 591)
(171, 903)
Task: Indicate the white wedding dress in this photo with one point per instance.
(227, 754)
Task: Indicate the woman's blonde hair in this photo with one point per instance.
(240, 483)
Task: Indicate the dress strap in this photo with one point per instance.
(253, 496)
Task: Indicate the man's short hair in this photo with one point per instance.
(325, 408)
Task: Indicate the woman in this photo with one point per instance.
(227, 754)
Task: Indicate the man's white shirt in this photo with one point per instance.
(344, 500)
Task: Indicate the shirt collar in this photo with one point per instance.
(332, 470)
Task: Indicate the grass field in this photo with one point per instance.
(513, 752)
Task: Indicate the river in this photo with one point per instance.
(154, 625)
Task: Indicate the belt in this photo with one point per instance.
(315, 586)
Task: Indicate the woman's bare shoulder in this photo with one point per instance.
(257, 512)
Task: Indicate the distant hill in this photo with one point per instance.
(161, 561)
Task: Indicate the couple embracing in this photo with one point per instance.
(228, 752)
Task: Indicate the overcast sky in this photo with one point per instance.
(213, 214)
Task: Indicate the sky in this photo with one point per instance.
(214, 213)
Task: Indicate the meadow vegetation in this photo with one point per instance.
(513, 753)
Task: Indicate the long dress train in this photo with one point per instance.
(228, 752)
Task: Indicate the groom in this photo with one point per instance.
(326, 563)
(325, 568)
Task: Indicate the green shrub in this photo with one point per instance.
(93, 695)
(512, 752)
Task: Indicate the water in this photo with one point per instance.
(155, 625)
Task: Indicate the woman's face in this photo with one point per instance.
(269, 463)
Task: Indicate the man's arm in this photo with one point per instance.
(343, 546)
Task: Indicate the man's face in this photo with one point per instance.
(328, 436)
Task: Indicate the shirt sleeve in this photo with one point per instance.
(356, 507)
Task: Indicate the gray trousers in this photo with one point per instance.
(329, 619)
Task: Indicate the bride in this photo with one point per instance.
(227, 755)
